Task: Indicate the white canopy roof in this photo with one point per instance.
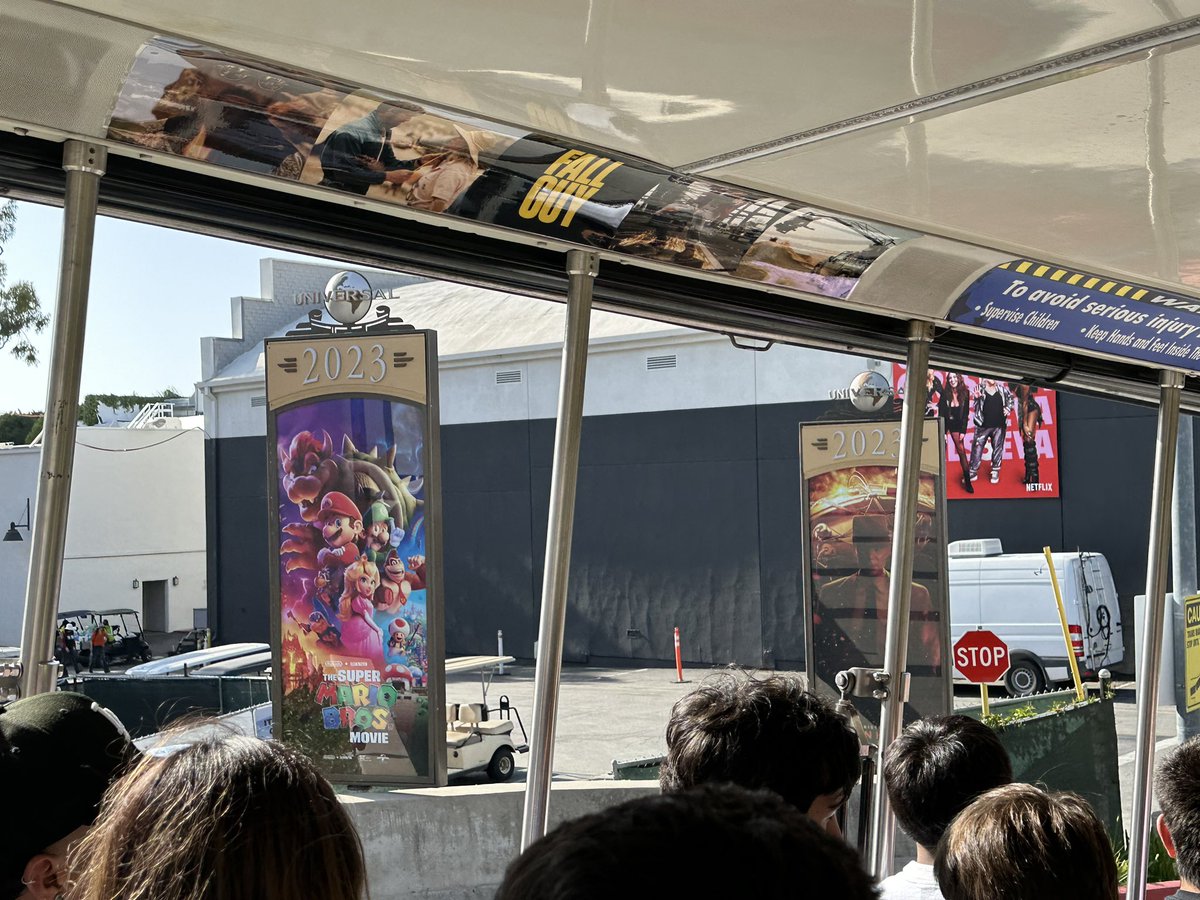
(1051, 128)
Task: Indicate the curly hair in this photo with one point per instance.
(760, 733)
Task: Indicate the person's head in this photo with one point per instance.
(763, 733)
(659, 845)
(1177, 784)
(936, 767)
(1036, 843)
(394, 113)
(872, 537)
(225, 816)
(58, 753)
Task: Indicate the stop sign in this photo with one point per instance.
(981, 657)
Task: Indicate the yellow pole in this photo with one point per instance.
(983, 698)
(1062, 619)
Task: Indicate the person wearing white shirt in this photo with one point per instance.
(933, 771)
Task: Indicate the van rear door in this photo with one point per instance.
(1103, 636)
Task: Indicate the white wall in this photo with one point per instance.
(137, 512)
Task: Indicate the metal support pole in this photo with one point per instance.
(581, 267)
(1150, 653)
(895, 658)
(1183, 569)
(84, 164)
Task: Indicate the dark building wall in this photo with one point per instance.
(238, 585)
(687, 518)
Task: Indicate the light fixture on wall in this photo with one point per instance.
(175, 580)
(136, 584)
(12, 534)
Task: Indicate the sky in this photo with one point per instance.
(155, 292)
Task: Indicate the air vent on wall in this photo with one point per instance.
(258, 401)
(662, 362)
(512, 376)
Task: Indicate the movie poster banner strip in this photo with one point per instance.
(1001, 438)
(206, 104)
(1075, 309)
(357, 621)
(848, 473)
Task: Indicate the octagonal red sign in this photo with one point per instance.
(980, 657)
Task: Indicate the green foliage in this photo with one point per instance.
(15, 427)
(34, 430)
(1159, 865)
(89, 407)
(1017, 714)
(999, 720)
(21, 314)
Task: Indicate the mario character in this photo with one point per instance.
(341, 527)
(379, 525)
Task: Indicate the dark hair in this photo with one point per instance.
(656, 845)
(936, 767)
(1033, 843)
(760, 733)
(1177, 784)
(225, 816)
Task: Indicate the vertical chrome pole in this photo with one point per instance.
(84, 164)
(1150, 653)
(581, 268)
(895, 658)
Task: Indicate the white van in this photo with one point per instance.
(1011, 595)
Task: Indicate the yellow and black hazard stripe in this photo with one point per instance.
(1076, 279)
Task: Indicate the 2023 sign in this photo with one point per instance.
(332, 364)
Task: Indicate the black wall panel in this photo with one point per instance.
(686, 518)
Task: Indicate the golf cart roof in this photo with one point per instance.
(117, 612)
(196, 659)
(76, 613)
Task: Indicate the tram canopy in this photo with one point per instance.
(1051, 134)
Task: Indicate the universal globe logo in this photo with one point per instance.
(348, 297)
(869, 391)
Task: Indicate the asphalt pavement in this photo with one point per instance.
(608, 714)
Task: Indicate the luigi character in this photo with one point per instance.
(379, 526)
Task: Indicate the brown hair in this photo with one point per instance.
(224, 818)
(1020, 842)
(760, 733)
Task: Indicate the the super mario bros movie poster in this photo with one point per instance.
(354, 570)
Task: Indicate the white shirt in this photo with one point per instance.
(914, 882)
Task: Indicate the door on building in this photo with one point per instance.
(154, 605)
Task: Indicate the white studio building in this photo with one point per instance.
(136, 527)
(680, 443)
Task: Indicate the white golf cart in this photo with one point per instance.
(479, 738)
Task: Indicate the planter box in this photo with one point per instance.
(1159, 891)
(1070, 749)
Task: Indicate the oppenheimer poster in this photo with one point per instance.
(848, 476)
